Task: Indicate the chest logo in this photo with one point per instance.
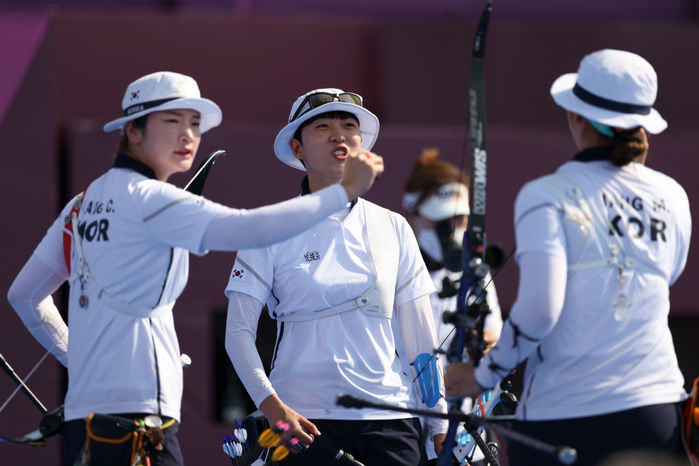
(312, 256)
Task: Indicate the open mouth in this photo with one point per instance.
(184, 153)
(340, 153)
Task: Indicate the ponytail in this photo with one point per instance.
(625, 148)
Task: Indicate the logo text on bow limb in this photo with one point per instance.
(238, 273)
(311, 256)
(476, 126)
(480, 172)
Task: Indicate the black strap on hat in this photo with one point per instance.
(607, 104)
(130, 110)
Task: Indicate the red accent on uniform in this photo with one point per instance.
(68, 227)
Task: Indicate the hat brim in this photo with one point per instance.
(211, 114)
(562, 93)
(437, 211)
(368, 128)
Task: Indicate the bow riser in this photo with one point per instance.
(474, 238)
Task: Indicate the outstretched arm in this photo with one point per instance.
(235, 229)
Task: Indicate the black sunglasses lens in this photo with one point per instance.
(321, 98)
(350, 98)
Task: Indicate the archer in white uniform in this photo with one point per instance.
(436, 196)
(337, 292)
(126, 256)
(599, 243)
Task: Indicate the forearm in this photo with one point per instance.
(418, 334)
(30, 297)
(493, 321)
(538, 306)
(255, 228)
(241, 331)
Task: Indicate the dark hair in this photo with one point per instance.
(123, 145)
(335, 115)
(429, 174)
(625, 147)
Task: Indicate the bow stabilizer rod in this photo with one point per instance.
(564, 454)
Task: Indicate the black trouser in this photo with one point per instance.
(73, 438)
(391, 442)
(655, 427)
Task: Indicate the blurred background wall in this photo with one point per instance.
(64, 67)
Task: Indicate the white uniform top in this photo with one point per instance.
(351, 352)
(136, 233)
(607, 346)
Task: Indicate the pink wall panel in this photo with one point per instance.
(413, 74)
(20, 36)
(619, 9)
(30, 198)
(253, 68)
(425, 67)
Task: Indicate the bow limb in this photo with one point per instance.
(196, 184)
(33, 438)
(51, 424)
(51, 421)
(21, 384)
(474, 269)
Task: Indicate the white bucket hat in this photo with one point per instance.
(165, 90)
(613, 87)
(448, 201)
(303, 110)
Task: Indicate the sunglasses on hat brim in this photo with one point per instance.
(321, 98)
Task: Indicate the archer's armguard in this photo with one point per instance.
(425, 365)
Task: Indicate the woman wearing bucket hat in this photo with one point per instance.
(124, 245)
(342, 293)
(436, 198)
(599, 243)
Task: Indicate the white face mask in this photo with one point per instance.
(430, 244)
